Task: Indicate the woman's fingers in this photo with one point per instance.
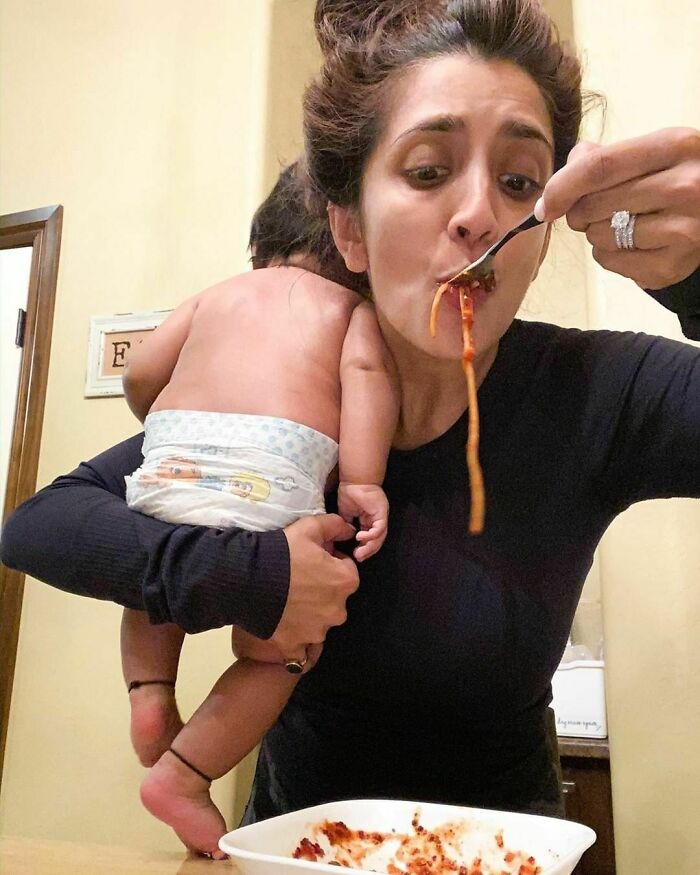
(666, 248)
(319, 584)
(313, 654)
(651, 231)
(676, 189)
(590, 170)
(657, 179)
(651, 269)
(583, 147)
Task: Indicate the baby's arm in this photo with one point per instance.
(150, 365)
(368, 418)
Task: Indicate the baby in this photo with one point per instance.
(251, 392)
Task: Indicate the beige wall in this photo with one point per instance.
(144, 120)
(644, 58)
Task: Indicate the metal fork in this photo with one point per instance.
(482, 265)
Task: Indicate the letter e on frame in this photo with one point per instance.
(111, 338)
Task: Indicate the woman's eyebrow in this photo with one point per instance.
(443, 124)
(446, 124)
(524, 131)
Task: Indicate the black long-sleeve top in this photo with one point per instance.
(78, 535)
(436, 686)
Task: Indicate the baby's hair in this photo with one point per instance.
(290, 222)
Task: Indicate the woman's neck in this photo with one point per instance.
(433, 391)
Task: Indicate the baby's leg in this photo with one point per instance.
(244, 703)
(150, 656)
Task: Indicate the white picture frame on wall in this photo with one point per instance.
(111, 338)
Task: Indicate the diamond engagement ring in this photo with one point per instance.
(622, 223)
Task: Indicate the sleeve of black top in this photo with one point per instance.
(78, 535)
(684, 300)
(652, 414)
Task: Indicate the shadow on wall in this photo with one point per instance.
(562, 13)
(294, 59)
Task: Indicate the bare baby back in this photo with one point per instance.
(266, 343)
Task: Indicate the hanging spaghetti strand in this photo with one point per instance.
(476, 476)
(477, 510)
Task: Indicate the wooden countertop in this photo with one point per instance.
(589, 748)
(23, 856)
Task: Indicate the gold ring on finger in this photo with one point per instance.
(296, 666)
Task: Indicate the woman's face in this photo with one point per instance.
(465, 151)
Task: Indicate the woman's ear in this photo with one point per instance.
(347, 233)
(543, 251)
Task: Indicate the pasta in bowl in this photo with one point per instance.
(407, 838)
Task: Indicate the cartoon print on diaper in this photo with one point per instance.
(213, 450)
(286, 484)
(245, 484)
(173, 468)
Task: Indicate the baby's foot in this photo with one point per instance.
(176, 795)
(155, 721)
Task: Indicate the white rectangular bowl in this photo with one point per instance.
(266, 848)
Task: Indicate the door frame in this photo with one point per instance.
(40, 229)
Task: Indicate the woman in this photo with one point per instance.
(429, 143)
(428, 149)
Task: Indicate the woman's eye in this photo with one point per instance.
(427, 175)
(519, 186)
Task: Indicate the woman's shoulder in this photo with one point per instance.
(559, 343)
(570, 364)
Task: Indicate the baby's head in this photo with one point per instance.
(288, 228)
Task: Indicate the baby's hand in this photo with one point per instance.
(369, 504)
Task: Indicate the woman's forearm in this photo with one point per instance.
(78, 535)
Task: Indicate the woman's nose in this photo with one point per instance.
(473, 220)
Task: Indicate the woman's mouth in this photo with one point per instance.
(477, 288)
